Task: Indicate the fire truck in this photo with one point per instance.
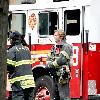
(80, 21)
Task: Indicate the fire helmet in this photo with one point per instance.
(15, 35)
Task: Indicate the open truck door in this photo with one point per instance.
(73, 31)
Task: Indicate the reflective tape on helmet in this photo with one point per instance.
(65, 54)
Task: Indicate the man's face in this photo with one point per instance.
(57, 37)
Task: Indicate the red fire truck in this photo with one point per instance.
(80, 21)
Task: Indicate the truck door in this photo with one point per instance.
(72, 29)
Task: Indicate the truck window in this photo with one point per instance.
(53, 20)
(17, 22)
(47, 23)
(72, 22)
(43, 23)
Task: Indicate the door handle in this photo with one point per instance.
(76, 72)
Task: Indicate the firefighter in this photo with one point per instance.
(19, 67)
(59, 58)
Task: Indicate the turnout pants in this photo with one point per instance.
(64, 91)
(22, 94)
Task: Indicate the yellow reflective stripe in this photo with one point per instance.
(55, 64)
(27, 83)
(11, 62)
(65, 54)
(14, 63)
(20, 78)
(49, 55)
(23, 62)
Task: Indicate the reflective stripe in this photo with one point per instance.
(27, 83)
(14, 63)
(20, 78)
(47, 62)
(11, 62)
(55, 64)
(23, 62)
(65, 54)
(49, 55)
